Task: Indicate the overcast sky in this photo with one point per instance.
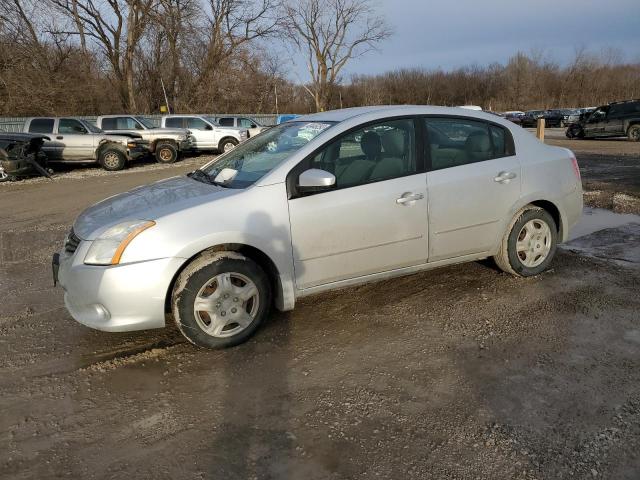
(454, 33)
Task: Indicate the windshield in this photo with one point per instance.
(147, 123)
(212, 120)
(250, 161)
(91, 127)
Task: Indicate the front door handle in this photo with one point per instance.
(505, 177)
(407, 198)
(59, 137)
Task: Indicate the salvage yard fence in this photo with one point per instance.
(15, 124)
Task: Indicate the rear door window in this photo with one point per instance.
(174, 122)
(41, 125)
(225, 122)
(109, 124)
(452, 142)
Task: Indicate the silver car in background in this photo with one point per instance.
(322, 202)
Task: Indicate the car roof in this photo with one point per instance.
(392, 110)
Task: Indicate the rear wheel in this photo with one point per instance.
(112, 159)
(530, 243)
(166, 153)
(634, 133)
(220, 299)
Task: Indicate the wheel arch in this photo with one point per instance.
(104, 144)
(281, 300)
(227, 137)
(554, 211)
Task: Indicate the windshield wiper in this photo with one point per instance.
(202, 176)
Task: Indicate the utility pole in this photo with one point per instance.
(275, 89)
(166, 100)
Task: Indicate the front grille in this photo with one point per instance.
(71, 242)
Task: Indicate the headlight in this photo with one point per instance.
(108, 248)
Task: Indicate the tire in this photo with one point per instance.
(112, 159)
(634, 133)
(166, 152)
(538, 251)
(227, 144)
(226, 319)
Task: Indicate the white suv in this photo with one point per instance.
(207, 134)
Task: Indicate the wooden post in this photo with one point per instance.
(540, 129)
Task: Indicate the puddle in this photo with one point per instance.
(595, 219)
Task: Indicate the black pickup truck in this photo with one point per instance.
(618, 119)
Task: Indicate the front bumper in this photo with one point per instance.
(140, 150)
(116, 298)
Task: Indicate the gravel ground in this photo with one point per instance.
(457, 373)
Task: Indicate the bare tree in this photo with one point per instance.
(116, 26)
(330, 33)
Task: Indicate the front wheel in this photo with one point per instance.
(166, 153)
(634, 133)
(530, 243)
(112, 159)
(220, 299)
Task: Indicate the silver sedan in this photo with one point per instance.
(321, 202)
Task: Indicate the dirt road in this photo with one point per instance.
(461, 372)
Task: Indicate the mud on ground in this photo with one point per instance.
(461, 372)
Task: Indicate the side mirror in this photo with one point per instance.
(316, 180)
(253, 125)
(208, 127)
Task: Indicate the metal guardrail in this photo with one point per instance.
(15, 124)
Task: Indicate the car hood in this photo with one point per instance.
(148, 202)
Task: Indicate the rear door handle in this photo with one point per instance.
(59, 137)
(505, 177)
(407, 198)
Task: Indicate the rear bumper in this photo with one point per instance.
(116, 298)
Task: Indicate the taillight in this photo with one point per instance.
(574, 164)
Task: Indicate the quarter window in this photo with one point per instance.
(41, 125)
(376, 152)
(452, 142)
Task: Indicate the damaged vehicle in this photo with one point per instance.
(166, 144)
(74, 140)
(325, 201)
(21, 156)
(618, 119)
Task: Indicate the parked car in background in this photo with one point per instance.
(21, 156)
(324, 201)
(167, 144)
(553, 118)
(530, 118)
(515, 117)
(206, 133)
(253, 126)
(576, 115)
(74, 140)
(618, 119)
